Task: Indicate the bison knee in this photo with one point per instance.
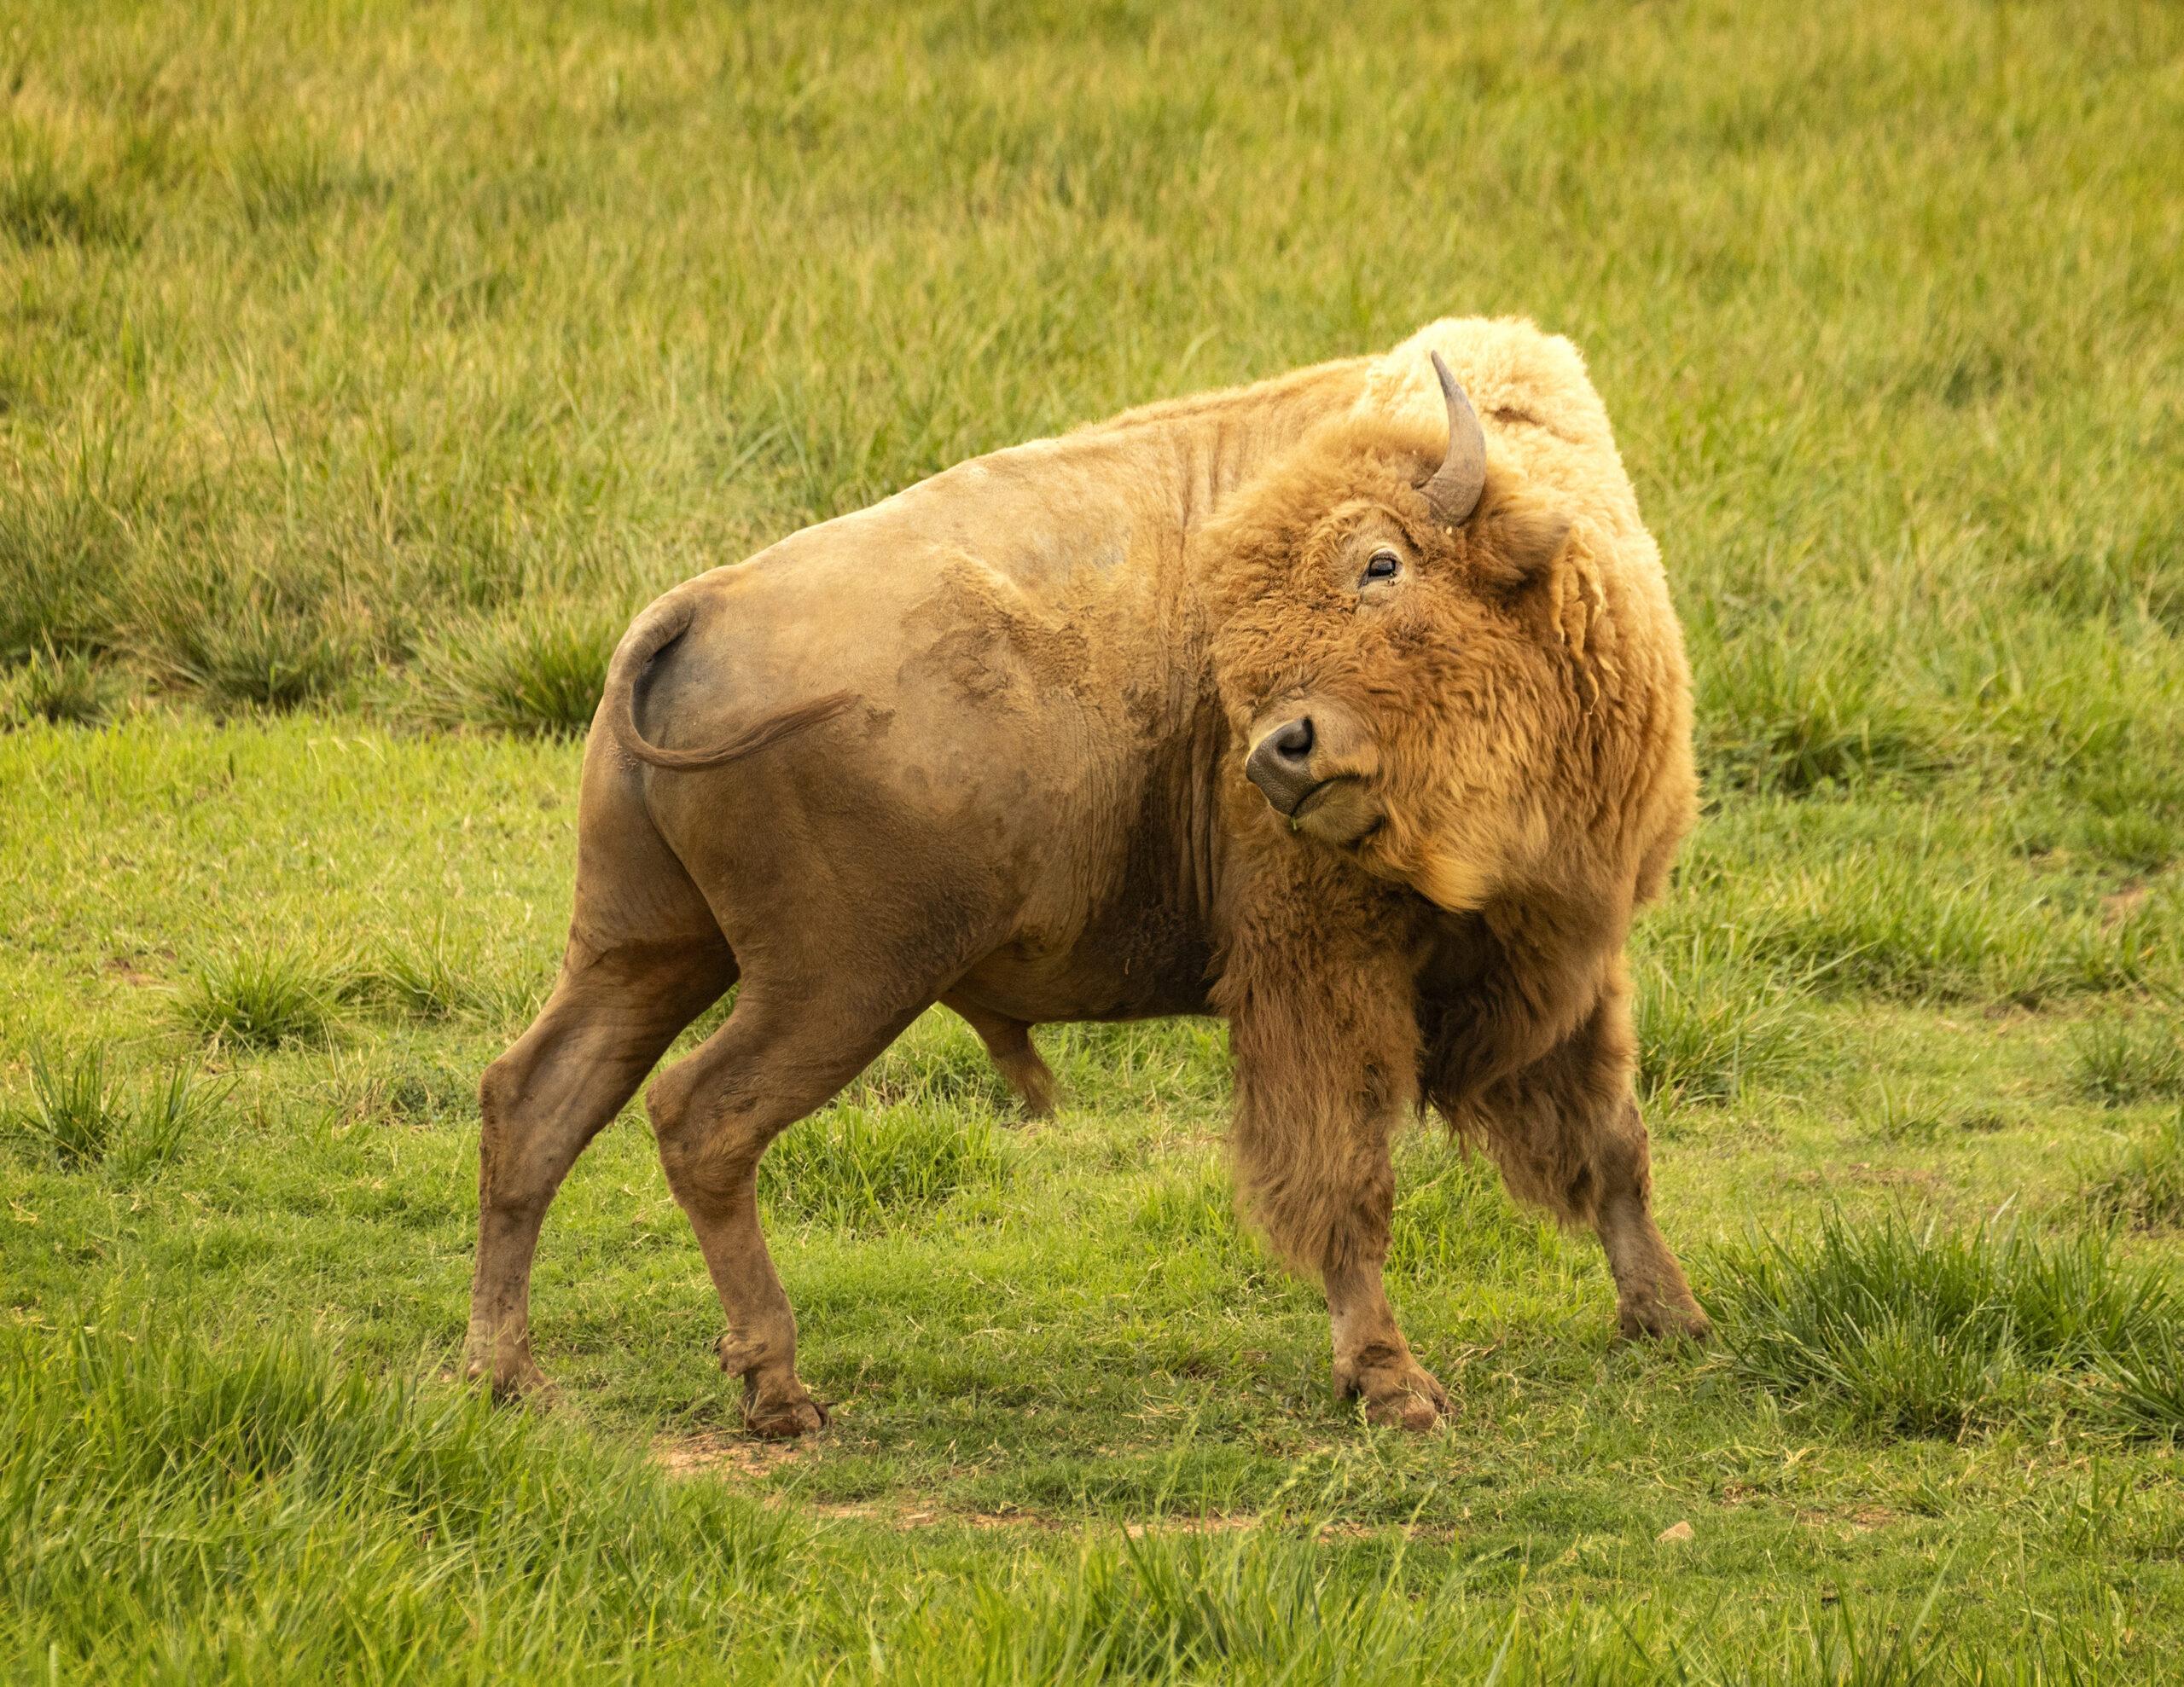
(1316, 1228)
(500, 1088)
(709, 1144)
(667, 1105)
(501, 1180)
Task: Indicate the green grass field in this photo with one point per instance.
(364, 366)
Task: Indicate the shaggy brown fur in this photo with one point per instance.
(1001, 741)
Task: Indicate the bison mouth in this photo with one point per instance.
(1302, 806)
(1338, 812)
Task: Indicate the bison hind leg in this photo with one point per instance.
(1008, 1045)
(789, 1045)
(644, 957)
(613, 1012)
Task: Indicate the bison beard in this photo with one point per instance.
(986, 744)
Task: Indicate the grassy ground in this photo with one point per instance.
(363, 366)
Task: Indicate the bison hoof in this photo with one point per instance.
(1035, 1088)
(783, 1417)
(1400, 1395)
(1663, 1321)
(511, 1376)
(1412, 1412)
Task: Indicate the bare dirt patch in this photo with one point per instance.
(1850, 1522)
(730, 1456)
(2122, 904)
(719, 1452)
(124, 967)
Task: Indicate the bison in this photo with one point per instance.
(1330, 706)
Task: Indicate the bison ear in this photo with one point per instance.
(1523, 537)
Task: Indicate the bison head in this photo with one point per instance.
(1388, 643)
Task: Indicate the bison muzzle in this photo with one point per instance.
(1331, 705)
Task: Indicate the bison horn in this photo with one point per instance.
(1453, 492)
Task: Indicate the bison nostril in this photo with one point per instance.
(1281, 765)
(1294, 742)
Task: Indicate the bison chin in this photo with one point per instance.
(1450, 882)
(1461, 857)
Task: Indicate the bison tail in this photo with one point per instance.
(657, 628)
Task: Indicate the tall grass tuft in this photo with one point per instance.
(430, 981)
(2144, 1186)
(165, 1118)
(870, 1168)
(61, 556)
(1269, 1606)
(261, 653)
(2117, 1061)
(74, 1113)
(1906, 923)
(81, 1116)
(1155, 1610)
(260, 999)
(1924, 1332)
(1789, 712)
(539, 675)
(1709, 1023)
(43, 205)
(63, 688)
(2141, 1390)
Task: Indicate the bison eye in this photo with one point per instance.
(1384, 564)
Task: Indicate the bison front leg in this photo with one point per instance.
(1652, 1296)
(1567, 1134)
(1373, 1360)
(1325, 1075)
